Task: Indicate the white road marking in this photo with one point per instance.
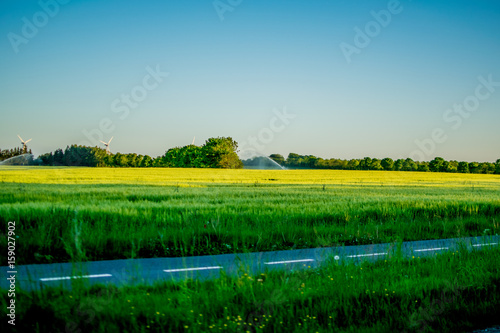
(433, 249)
(287, 261)
(191, 269)
(76, 277)
(367, 255)
(485, 244)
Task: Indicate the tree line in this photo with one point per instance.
(8, 153)
(215, 153)
(438, 164)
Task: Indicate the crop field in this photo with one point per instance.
(75, 214)
(67, 214)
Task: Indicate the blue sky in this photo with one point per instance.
(66, 69)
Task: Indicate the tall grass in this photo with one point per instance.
(66, 221)
(452, 292)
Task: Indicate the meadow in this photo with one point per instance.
(68, 214)
(451, 292)
(74, 214)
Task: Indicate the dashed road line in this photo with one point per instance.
(93, 276)
(367, 255)
(191, 269)
(287, 261)
(432, 249)
(488, 244)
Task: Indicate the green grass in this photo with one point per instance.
(452, 292)
(75, 214)
(64, 222)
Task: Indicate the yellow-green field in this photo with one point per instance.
(173, 176)
(123, 213)
(75, 214)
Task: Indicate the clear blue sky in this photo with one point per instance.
(230, 65)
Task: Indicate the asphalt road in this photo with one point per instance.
(147, 271)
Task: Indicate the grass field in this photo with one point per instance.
(74, 214)
(452, 292)
(66, 214)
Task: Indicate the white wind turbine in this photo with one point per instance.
(193, 141)
(25, 148)
(107, 145)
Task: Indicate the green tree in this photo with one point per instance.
(409, 165)
(463, 167)
(387, 163)
(221, 153)
(436, 164)
(376, 164)
(353, 164)
(146, 162)
(47, 159)
(474, 167)
(277, 158)
(365, 164)
(423, 166)
(398, 165)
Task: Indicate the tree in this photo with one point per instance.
(436, 164)
(221, 153)
(376, 164)
(293, 160)
(423, 166)
(365, 163)
(47, 159)
(410, 165)
(353, 164)
(59, 157)
(120, 160)
(497, 166)
(474, 167)
(398, 165)
(146, 162)
(277, 158)
(463, 167)
(387, 163)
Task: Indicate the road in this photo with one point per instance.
(147, 271)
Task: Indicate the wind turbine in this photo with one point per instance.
(107, 145)
(193, 140)
(25, 148)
